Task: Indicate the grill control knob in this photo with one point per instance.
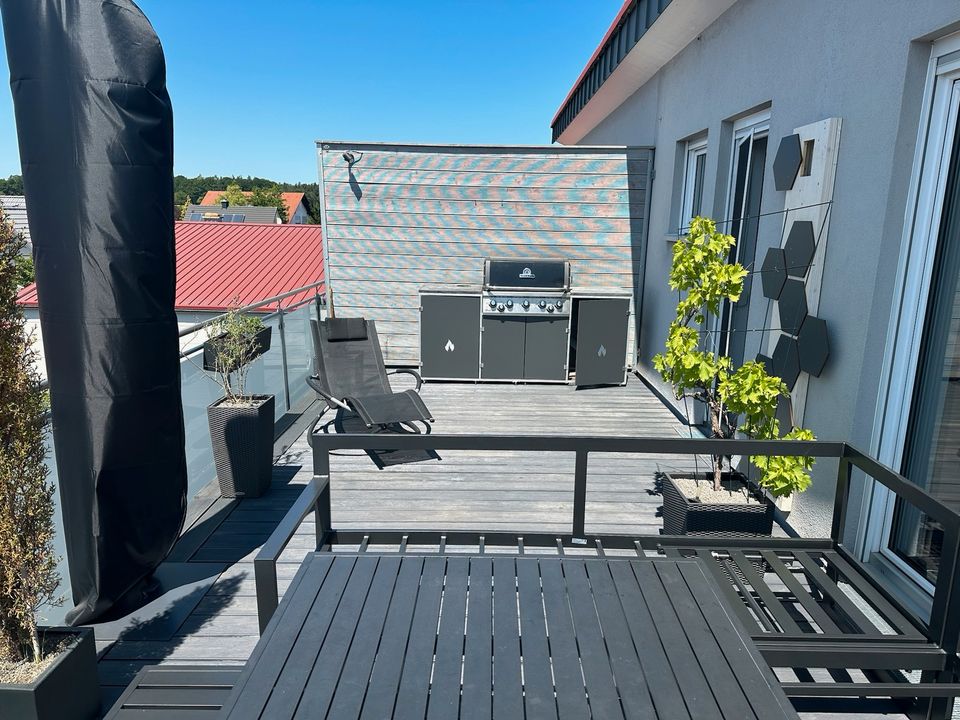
(559, 304)
(493, 303)
(509, 304)
(549, 308)
(500, 307)
(543, 304)
(526, 304)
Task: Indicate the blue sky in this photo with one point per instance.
(255, 82)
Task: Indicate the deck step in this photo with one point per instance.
(175, 692)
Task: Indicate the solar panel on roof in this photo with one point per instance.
(195, 216)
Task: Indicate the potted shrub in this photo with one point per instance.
(39, 667)
(738, 400)
(241, 425)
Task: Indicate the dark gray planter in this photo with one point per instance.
(211, 348)
(67, 690)
(682, 516)
(242, 439)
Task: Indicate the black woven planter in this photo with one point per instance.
(682, 516)
(67, 690)
(242, 438)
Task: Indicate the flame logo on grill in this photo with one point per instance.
(602, 352)
(449, 347)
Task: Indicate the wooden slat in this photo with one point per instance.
(480, 192)
(317, 694)
(724, 583)
(502, 160)
(597, 675)
(385, 677)
(539, 701)
(355, 675)
(445, 687)
(628, 674)
(508, 692)
(714, 663)
(683, 662)
(757, 680)
(177, 697)
(485, 208)
(473, 222)
(415, 680)
(492, 179)
(568, 679)
(477, 667)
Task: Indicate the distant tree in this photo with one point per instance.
(197, 187)
(23, 270)
(13, 185)
(181, 208)
(270, 197)
(234, 194)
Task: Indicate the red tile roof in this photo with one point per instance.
(290, 199)
(222, 264)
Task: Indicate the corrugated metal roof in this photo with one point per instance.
(290, 199)
(15, 208)
(251, 213)
(221, 265)
(629, 25)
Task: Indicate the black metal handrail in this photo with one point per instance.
(942, 628)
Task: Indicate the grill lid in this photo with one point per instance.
(527, 274)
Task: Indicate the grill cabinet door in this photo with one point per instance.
(545, 349)
(602, 340)
(502, 348)
(450, 336)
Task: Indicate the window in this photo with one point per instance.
(691, 204)
(742, 220)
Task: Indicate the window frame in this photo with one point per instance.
(694, 150)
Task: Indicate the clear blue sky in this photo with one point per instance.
(255, 82)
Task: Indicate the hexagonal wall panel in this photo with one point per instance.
(786, 164)
(767, 362)
(773, 273)
(786, 361)
(799, 248)
(812, 345)
(793, 306)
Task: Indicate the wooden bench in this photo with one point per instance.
(175, 692)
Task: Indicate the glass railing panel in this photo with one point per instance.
(299, 351)
(265, 374)
(198, 390)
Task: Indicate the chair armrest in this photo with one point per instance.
(409, 371)
(314, 382)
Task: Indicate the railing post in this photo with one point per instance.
(842, 497)
(283, 358)
(580, 494)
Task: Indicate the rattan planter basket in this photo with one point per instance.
(242, 439)
(682, 516)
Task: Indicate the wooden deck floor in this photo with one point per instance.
(206, 612)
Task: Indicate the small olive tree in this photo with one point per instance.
(234, 337)
(28, 564)
(740, 399)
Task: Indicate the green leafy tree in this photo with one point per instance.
(23, 269)
(234, 194)
(28, 564)
(270, 197)
(705, 279)
(234, 335)
(181, 210)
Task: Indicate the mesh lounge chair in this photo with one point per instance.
(353, 380)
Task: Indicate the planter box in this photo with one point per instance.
(242, 439)
(682, 516)
(67, 690)
(261, 344)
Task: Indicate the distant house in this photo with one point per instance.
(232, 213)
(221, 265)
(296, 209)
(15, 208)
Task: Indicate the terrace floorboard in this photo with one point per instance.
(210, 618)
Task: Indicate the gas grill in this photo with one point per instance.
(526, 287)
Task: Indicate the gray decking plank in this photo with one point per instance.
(477, 667)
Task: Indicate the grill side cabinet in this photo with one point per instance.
(450, 337)
(602, 340)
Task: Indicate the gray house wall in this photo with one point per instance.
(402, 217)
(860, 60)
